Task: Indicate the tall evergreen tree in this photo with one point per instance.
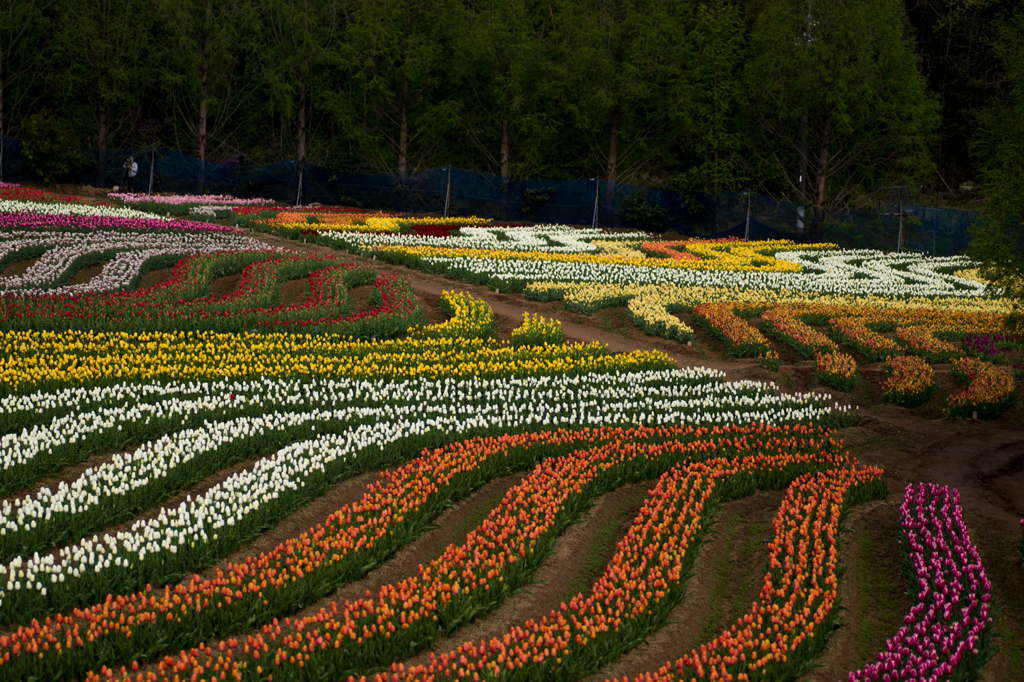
(999, 147)
(840, 104)
(400, 48)
(99, 65)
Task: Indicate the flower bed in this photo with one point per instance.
(989, 392)
(188, 199)
(948, 633)
(346, 438)
(669, 250)
(911, 381)
(797, 607)
(537, 331)
(836, 370)
(784, 324)
(740, 338)
(854, 332)
(471, 318)
(921, 341)
(390, 513)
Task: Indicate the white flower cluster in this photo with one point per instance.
(547, 238)
(376, 415)
(885, 279)
(128, 253)
(61, 208)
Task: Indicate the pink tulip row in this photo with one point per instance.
(947, 634)
(56, 221)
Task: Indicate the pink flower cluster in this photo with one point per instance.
(947, 630)
(179, 199)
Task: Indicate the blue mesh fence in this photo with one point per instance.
(571, 202)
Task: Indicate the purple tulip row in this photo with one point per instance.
(947, 633)
(56, 221)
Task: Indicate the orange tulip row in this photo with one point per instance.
(990, 389)
(640, 586)
(742, 339)
(797, 607)
(351, 541)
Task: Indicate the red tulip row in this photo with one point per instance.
(674, 250)
(182, 300)
(739, 336)
(638, 590)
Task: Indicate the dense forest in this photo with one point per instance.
(828, 100)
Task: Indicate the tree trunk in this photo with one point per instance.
(504, 146)
(300, 154)
(1, 107)
(104, 103)
(403, 133)
(821, 190)
(613, 146)
(204, 79)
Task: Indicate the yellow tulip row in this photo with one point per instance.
(734, 256)
(589, 296)
(43, 359)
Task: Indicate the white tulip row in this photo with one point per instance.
(913, 269)
(130, 251)
(548, 238)
(60, 208)
(886, 282)
(649, 398)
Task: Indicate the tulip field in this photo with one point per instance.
(186, 383)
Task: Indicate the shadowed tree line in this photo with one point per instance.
(821, 102)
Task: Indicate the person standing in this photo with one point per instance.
(131, 169)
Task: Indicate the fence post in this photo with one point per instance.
(899, 240)
(298, 192)
(448, 193)
(152, 166)
(597, 193)
(746, 235)
(3, 143)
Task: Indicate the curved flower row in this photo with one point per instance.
(387, 516)
(948, 632)
(178, 199)
(783, 323)
(911, 381)
(742, 339)
(797, 607)
(82, 222)
(60, 254)
(68, 208)
(989, 392)
(855, 333)
(836, 370)
(502, 552)
(471, 318)
(921, 341)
